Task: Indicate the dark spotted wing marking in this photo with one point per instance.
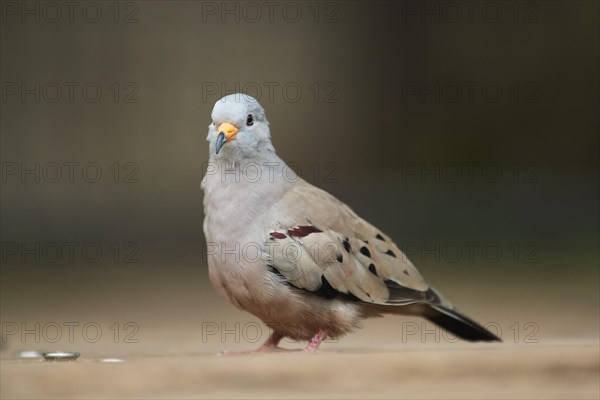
(398, 294)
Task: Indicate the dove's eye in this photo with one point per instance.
(250, 120)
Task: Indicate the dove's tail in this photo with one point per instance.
(460, 325)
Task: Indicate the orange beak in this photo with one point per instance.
(225, 133)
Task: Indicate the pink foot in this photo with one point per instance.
(315, 342)
(270, 346)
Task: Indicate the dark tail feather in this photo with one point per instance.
(459, 325)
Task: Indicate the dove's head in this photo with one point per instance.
(239, 127)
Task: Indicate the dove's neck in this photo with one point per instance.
(238, 192)
(255, 182)
(231, 159)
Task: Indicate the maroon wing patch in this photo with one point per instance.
(278, 235)
(303, 230)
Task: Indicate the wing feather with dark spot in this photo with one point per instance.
(331, 264)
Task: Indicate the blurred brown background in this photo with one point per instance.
(467, 132)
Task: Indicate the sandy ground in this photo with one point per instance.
(563, 370)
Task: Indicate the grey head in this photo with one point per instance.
(239, 128)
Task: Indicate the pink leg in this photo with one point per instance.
(316, 340)
(272, 341)
(267, 347)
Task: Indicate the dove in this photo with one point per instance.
(293, 255)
